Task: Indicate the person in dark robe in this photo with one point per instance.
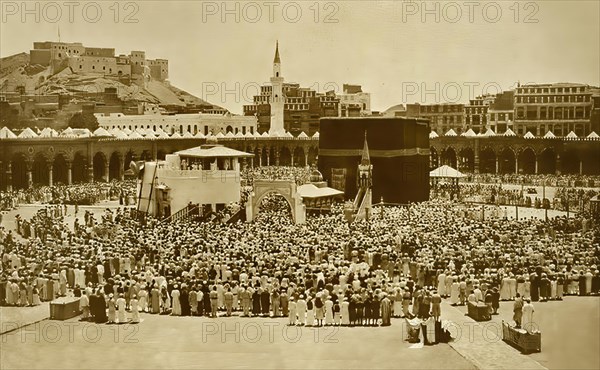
(534, 287)
(596, 283)
(256, 302)
(425, 306)
(582, 288)
(107, 272)
(265, 305)
(71, 276)
(352, 310)
(495, 301)
(358, 307)
(206, 298)
(184, 302)
(545, 287)
(94, 275)
(100, 307)
(367, 311)
(375, 310)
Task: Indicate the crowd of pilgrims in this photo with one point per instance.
(80, 194)
(301, 175)
(573, 199)
(559, 181)
(401, 263)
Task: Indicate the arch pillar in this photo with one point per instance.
(259, 157)
(29, 165)
(268, 156)
(50, 170)
(106, 176)
(306, 158)
(9, 176)
(277, 153)
(69, 172)
(497, 163)
(516, 164)
(557, 164)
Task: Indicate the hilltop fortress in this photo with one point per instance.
(85, 60)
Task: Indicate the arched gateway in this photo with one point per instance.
(285, 188)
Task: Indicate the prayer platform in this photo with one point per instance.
(521, 339)
(479, 312)
(64, 308)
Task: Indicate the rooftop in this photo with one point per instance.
(212, 151)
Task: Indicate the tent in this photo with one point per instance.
(593, 136)
(446, 172)
(469, 133)
(450, 132)
(6, 133)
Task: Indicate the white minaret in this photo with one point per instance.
(277, 99)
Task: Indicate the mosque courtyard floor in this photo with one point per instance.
(570, 339)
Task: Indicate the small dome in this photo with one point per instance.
(316, 176)
(211, 139)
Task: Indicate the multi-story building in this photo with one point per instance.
(84, 59)
(476, 113)
(500, 114)
(560, 108)
(442, 117)
(180, 123)
(595, 116)
(354, 102)
(303, 107)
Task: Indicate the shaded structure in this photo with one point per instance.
(446, 173)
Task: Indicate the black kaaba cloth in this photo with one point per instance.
(398, 149)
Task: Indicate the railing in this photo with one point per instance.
(184, 215)
(361, 212)
(359, 198)
(240, 215)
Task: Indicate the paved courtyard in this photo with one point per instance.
(185, 342)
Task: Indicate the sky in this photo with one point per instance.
(399, 51)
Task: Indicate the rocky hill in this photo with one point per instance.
(18, 76)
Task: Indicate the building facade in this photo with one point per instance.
(476, 113)
(500, 114)
(354, 102)
(560, 108)
(82, 59)
(442, 117)
(180, 123)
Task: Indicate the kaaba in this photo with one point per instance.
(398, 149)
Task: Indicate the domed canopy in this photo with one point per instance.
(316, 176)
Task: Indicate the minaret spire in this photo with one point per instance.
(366, 159)
(277, 60)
